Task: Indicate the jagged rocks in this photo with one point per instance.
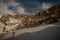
(50, 15)
(21, 21)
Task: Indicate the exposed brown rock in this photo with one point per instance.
(52, 14)
(22, 21)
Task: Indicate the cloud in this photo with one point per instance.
(35, 7)
(12, 3)
(15, 7)
(4, 7)
(21, 10)
(46, 5)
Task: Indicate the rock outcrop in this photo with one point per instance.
(21, 21)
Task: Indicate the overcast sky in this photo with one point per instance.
(25, 6)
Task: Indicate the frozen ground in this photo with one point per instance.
(41, 32)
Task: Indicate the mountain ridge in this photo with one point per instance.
(21, 21)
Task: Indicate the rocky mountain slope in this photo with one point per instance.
(9, 22)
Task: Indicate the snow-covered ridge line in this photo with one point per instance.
(9, 22)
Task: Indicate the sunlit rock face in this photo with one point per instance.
(50, 15)
(9, 22)
(17, 21)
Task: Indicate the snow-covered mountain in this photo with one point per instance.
(9, 22)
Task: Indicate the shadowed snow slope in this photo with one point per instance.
(47, 33)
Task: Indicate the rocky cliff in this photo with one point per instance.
(14, 22)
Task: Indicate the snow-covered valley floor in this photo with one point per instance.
(41, 32)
